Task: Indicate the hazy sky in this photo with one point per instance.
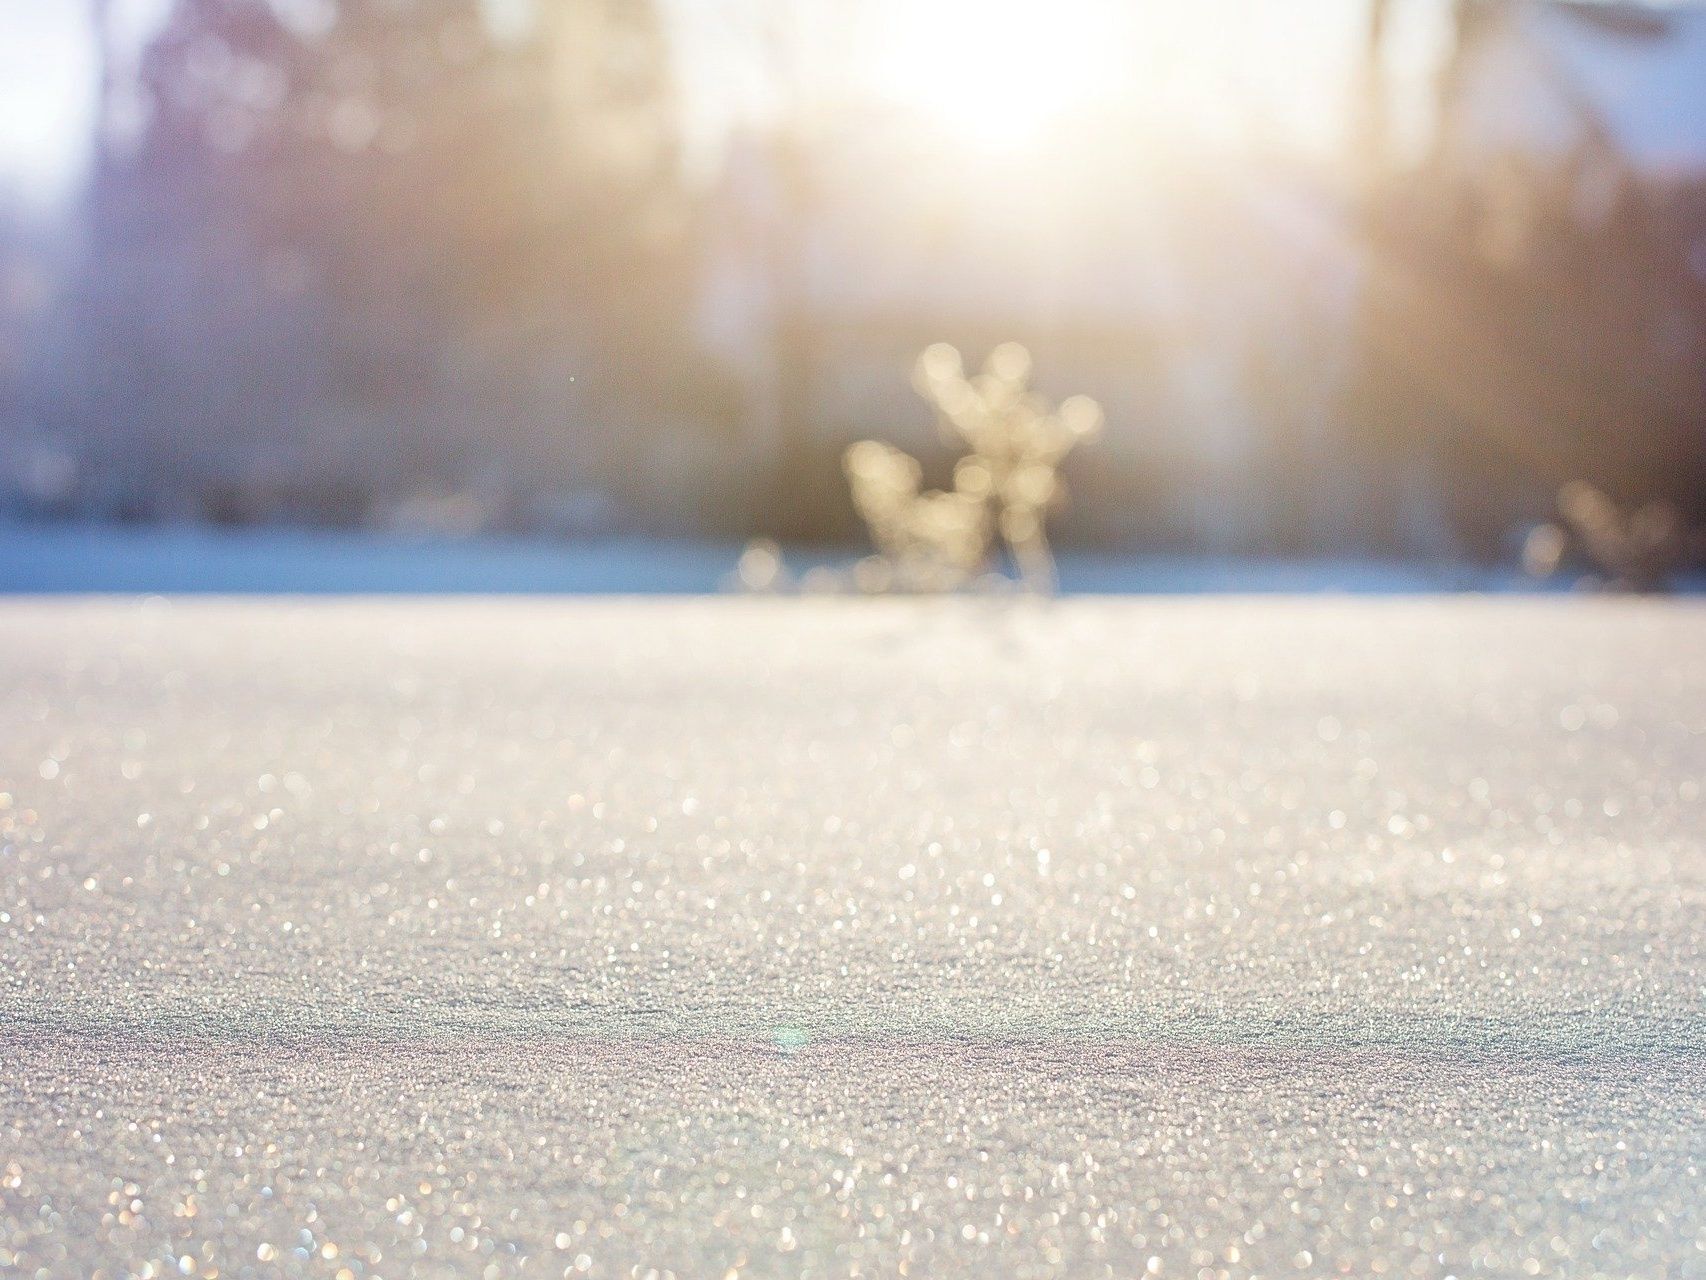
(926, 54)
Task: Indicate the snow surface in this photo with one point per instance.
(779, 937)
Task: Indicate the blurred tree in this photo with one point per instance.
(1371, 110)
(372, 244)
(1532, 314)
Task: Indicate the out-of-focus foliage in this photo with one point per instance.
(1534, 308)
(374, 262)
(1642, 549)
(401, 263)
(941, 539)
(928, 540)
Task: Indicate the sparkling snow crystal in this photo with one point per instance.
(775, 938)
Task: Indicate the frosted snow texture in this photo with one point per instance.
(779, 937)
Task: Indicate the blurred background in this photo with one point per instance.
(1350, 278)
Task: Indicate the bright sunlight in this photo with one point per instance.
(991, 74)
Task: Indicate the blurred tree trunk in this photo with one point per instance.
(1371, 133)
(101, 25)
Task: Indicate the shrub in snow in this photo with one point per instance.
(939, 540)
(1639, 550)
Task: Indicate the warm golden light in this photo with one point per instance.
(1000, 74)
(1007, 77)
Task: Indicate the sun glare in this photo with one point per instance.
(1003, 76)
(999, 74)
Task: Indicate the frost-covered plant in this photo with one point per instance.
(928, 540)
(1639, 550)
(1003, 489)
